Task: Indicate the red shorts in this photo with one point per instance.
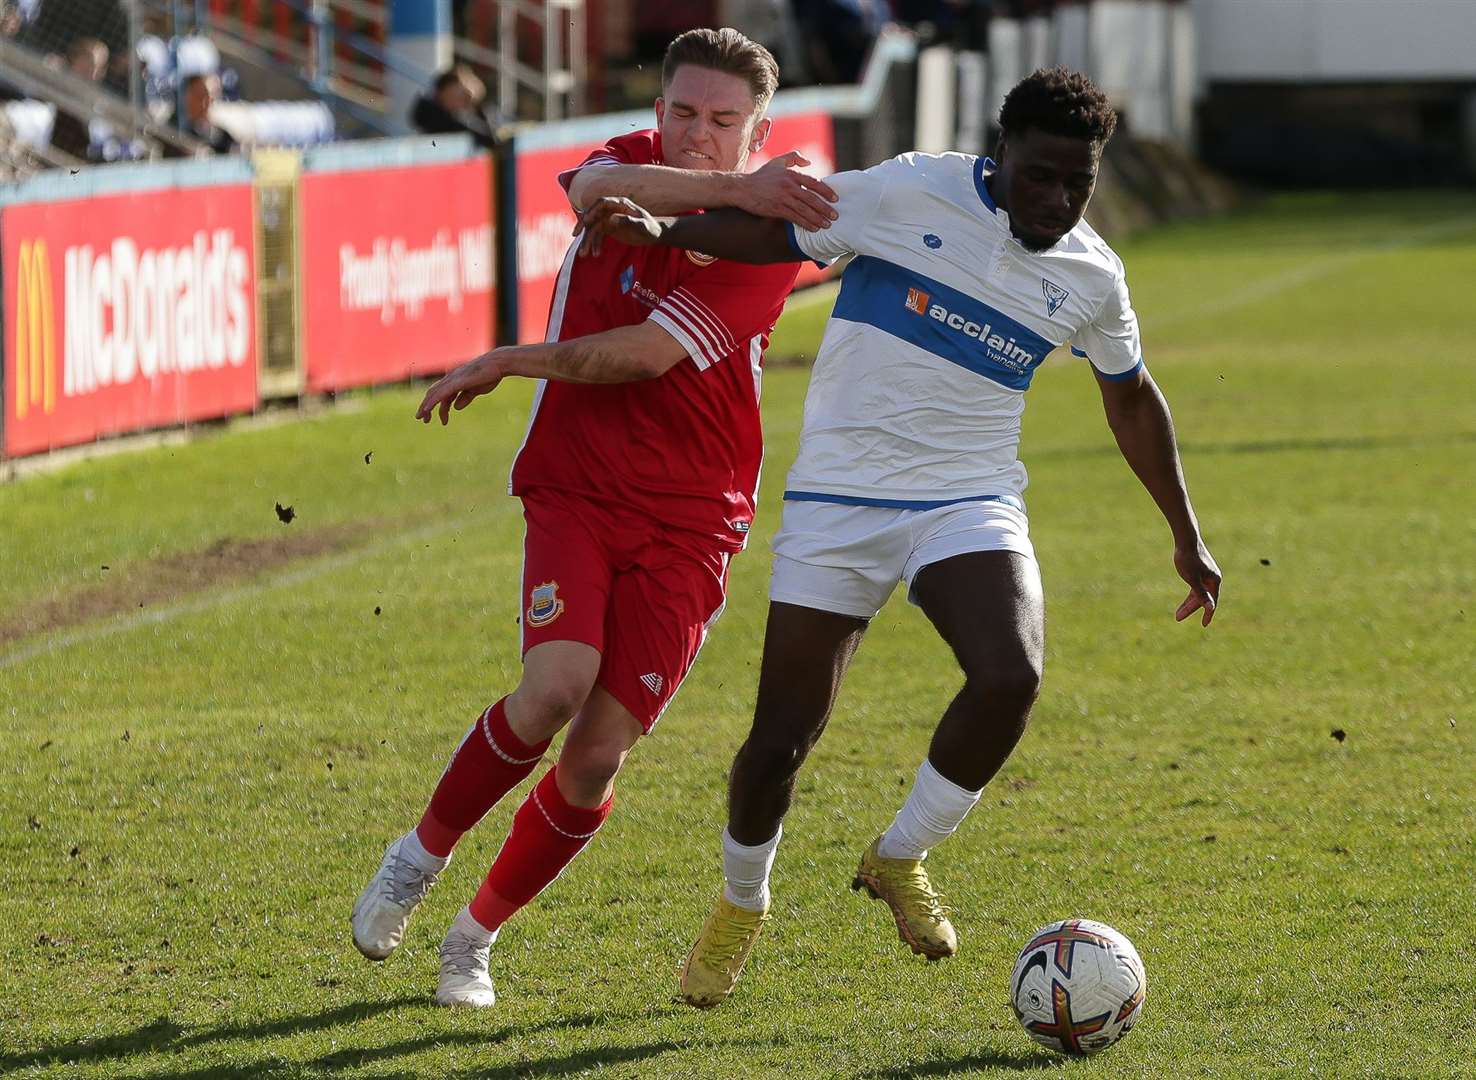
(641, 594)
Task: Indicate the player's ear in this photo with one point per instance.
(660, 112)
(760, 135)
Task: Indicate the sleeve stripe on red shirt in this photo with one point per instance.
(700, 308)
(704, 317)
(699, 330)
(671, 322)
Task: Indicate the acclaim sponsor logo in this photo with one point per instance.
(396, 279)
(135, 312)
(1002, 350)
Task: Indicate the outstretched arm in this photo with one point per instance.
(625, 354)
(778, 189)
(1140, 421)
(724, 234)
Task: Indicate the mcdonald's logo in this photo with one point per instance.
(35, 332)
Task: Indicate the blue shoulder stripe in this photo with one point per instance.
(799, 251)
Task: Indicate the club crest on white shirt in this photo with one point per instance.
(1055, 296)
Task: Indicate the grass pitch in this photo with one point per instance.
(211, 724)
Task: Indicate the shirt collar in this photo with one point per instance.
(982, 167)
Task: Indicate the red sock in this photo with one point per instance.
(489, 763)
(546, 835)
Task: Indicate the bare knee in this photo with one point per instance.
(999, 684)
(773, 757)
(540, 708)
(587, 769)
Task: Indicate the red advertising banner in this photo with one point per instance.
(397, 271)
(545, 220)
(125, 312)
(545, 225)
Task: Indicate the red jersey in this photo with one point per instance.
(683, 448)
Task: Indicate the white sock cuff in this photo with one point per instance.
(414, 850)
(931, 778)
(467, 923)
(745, 851)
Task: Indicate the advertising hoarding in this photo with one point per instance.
(397, 271)
(126, 312)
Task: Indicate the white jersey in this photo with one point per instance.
(941, 321)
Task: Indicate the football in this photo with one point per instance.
(1078, 986)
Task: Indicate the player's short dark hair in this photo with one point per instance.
(1058, 101)
(728, 51)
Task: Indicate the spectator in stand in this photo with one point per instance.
(963, 23)
(12, 18)
(55, 24)
(87, 58)
(455, 105)
(840, 34)
(12, 22)
(200, 93)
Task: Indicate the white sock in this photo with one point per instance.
(466, 924)
(746, 871)
(414, 850)
(932, 811)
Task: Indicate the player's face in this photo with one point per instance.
(708, 120)
(1044, 183)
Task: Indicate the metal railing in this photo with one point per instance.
(29, 73)
(339, 49)
(558, 82)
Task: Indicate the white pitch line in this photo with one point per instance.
(1266, 288)
(204, 603)
(1263, 289)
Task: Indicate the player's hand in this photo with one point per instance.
(617, 217)
(459, 388)
(1197, 567)
(780, 190)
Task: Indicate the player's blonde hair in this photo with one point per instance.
(728, 51)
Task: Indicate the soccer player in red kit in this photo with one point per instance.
(638, 477)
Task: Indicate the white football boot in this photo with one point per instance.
(385, 905)
(465, 953)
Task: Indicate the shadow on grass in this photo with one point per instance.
(164, 1036)
(969, 1064)
(574, 1062)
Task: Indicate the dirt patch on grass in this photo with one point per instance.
(171, 578)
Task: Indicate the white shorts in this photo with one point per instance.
(848, 559)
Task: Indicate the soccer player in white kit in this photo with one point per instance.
(964, 275)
